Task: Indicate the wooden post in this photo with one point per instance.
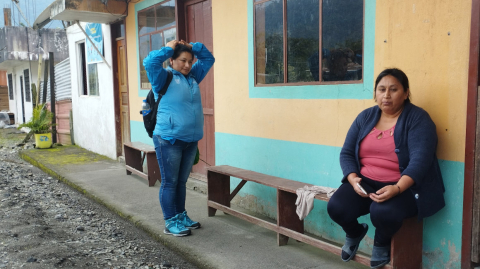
(53, 102)
(40, 56)
(45, 80)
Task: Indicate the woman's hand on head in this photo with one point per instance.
(172, 44)
(353, 179)
(384, 193)
(183, 42)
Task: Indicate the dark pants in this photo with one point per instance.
(345, 206)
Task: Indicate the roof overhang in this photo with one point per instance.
(84, 11)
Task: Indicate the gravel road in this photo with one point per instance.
(46, 224)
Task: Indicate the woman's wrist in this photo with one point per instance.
(399, 189)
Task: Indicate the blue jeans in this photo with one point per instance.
(175, 163)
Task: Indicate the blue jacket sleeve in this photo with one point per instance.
(204, 63)
(422, 145)
(348, 161)
(153, 63)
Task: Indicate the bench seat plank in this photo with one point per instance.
(270, 181)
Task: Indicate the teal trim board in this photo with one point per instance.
(138, 7)
(346, 91)
(319, 165)
(138, 133)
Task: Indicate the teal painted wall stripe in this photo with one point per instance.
(347, 91)
(319, 165)
(138, 133)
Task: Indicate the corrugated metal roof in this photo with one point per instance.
(63, 85)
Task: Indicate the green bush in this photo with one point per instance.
(41, 121)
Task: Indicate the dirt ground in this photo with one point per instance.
(46, 224)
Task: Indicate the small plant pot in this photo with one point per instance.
(43, 141)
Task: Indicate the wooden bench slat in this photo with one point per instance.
(270, 181)
(140, 146)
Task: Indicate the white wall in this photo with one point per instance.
(93, 116)
(16, 103)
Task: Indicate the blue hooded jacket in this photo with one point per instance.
(180, 112)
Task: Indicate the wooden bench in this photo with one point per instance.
(135, 153)
(406, 248)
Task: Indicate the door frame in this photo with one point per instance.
(116, 86)
(472, 147)
(182, 23)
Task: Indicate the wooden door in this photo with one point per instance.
(123, 93)
(198, 24)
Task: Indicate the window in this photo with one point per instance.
(156, 27)
(308, 41)
(88, 73)
(26, 79)
(10, 87)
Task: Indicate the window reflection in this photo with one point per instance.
(336, 26)
(342, 40)
(165, 15)
(144, 45)
(269, 42)
(302, 40)
(146, 21)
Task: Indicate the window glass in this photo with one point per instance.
(155, 35)
(342, 40)
(26, 78)
(269, 42)
(165, 15)
(146, 21)
(10, 87)
(157, 41)
(93, 79)
(303, 40)
(144, 50)
(170, 34)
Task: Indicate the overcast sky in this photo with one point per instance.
(30, 8)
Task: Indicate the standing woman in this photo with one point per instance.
(390, 151)
(179, 124)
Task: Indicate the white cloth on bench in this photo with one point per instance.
(305, 197)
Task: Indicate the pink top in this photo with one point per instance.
(378, 159)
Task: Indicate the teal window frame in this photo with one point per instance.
(138, 7)
(363, 90)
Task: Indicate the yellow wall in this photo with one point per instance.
(417, 42)
(430, 41)
(135, 102)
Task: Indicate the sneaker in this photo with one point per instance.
(174, 227)
(187, 222)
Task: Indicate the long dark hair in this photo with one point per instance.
(399, 75)
(179, 48)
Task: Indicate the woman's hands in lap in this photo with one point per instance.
(384, 194)
(353, 179)
(379, 196)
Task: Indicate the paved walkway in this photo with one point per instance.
(223, 242)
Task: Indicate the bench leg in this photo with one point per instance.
(287, 216)
(218, 186)
(407, 245)
(133, 158)
(153, 169)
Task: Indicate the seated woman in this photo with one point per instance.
(390, 152)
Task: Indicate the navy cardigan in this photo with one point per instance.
(415, 139)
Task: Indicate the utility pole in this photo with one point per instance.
(53, 101)
(19, 9)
